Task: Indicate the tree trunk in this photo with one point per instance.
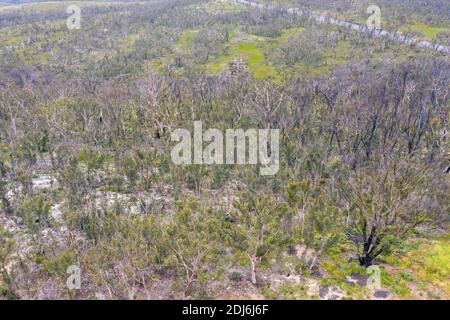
(253, 271)
(313, 262)
(365, 261)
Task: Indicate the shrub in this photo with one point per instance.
(235, 276)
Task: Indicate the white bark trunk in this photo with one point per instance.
(253, 271)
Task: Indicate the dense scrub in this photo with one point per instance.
(87, 178)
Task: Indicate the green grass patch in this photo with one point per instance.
(252, 52)
(429, 32)
(395, 284)
(186, 38)
(424, 262)
(285, 34)
(437, 260)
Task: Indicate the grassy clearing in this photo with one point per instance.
(340, 54)
(430, 263)
(428, 32)
(421, 270)
(220, 6)
(285, 34)
(252, 51)
(253, 54)
(186, 39)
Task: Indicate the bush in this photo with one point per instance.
(235, 276)
(35, 213)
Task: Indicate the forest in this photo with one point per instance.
(359, 208)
